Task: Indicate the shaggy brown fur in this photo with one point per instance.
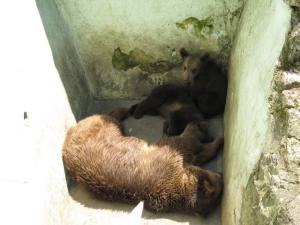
(115, 167)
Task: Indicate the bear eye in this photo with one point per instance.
(184, 68)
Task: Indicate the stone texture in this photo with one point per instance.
(286, 80)
(271, 196)
(293, 2)
(291, 98)
(293, 123)
(291, 52)
(292, 156)
(250, 195)
(293, 208)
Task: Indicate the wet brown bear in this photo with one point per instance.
(204, 93)
(115, 167)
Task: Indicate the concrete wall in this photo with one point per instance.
(35, 114)
(121, 49)
(251, 132)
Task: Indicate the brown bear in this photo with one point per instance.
(206, 82)
(203, 94)
(171, 101)
(190, 143)
(128, 169)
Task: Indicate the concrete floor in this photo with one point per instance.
(149, 128)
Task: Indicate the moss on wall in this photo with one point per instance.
(199, 28)
(119, 46)
(137, 57)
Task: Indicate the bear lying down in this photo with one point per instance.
(123, 168)
(202, 95)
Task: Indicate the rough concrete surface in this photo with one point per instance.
(273, 190)
(248, 129)
(267, 188)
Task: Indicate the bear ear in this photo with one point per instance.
(184, 53)
(208, 188)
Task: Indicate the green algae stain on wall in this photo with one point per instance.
(211, 32)
(122, 61)
(137, 57)
(125, 48)
(198, 28)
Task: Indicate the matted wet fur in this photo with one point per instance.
(122, 168)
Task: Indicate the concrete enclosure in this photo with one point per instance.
(113, 52)
(121, 49)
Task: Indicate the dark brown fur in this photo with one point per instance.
(173, 103)
(203, 94)
(206, 81)
(190, 144)
(115, 167)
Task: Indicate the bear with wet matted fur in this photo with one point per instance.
(124, 168)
